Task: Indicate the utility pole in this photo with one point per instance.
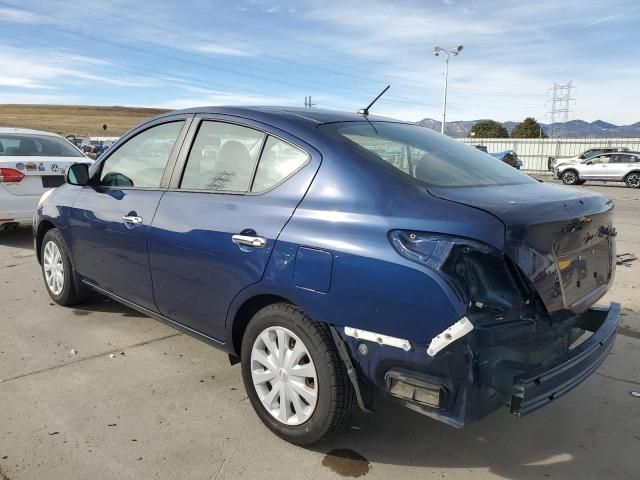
(561, 101)
(437, 51)
(307, 102)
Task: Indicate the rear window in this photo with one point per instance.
(35, 146)
(428, 156)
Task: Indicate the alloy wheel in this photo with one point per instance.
(569, 178)
(284, 376)
(633, 180)
(53, 268)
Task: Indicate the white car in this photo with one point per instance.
(31, 162)
(592, 152)
(614, 167)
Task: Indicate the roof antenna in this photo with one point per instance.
(365, 111)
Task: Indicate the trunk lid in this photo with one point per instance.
(561, 238)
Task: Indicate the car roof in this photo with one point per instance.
(25, 131)
(293, 114)
(615, 149)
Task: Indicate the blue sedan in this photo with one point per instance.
(340, 258)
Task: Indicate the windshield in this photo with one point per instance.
(36, 146)
(428, 156)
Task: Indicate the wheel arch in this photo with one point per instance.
(43, 228)
(571, 169)
(245, 313)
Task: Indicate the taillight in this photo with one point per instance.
(10, 175)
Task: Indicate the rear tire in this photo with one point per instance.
(570, 177)
(283, 333)
(57, 271)
(632, 180)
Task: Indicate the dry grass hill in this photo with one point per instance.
(77, 120)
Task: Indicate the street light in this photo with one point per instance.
(437, 51)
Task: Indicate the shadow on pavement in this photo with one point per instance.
(545, 444)
(98, 303)
(18, 238)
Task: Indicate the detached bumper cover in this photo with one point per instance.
(538, 387)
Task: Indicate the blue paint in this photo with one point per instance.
(313, 269)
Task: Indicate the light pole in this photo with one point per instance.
(437, 51)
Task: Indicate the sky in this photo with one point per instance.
(173, 54)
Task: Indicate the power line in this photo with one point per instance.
(278, 80)
(195, 34)
(128, 68)
(324, 48)
(198, 35)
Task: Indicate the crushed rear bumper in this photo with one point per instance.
(538, 387)
(510, 365)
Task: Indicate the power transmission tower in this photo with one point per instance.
(307, 102)
(561, 100)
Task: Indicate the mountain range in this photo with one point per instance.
(572, 129)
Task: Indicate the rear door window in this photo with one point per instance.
(141, 160)
(279, 159)
(223, 158)
(625, 159)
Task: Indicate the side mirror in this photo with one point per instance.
(588, 163)
(78, 174)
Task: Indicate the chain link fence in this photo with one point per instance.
(535, 152)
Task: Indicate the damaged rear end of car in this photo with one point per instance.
(526, 330)
(529, 333)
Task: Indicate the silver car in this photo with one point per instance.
(613, 167)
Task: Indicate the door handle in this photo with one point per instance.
(132, 219)
(252, 241)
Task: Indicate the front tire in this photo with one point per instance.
(632, 180)
(57, 270)
(570, 177)
(293, 375)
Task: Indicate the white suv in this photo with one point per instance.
(614, 167)
(592, 152)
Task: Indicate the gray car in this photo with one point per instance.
(613, 167)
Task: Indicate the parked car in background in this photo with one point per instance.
(93, 148)
(482, 148)
(339, 257)
(613, 167)
(31, 162)
(592, 152)
(75, 140)
(509, 157)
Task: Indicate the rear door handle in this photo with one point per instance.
(132, 219)
(250, 240)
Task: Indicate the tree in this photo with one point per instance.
(528, 128)
(488, 129)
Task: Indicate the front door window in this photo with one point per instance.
(140, 162)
